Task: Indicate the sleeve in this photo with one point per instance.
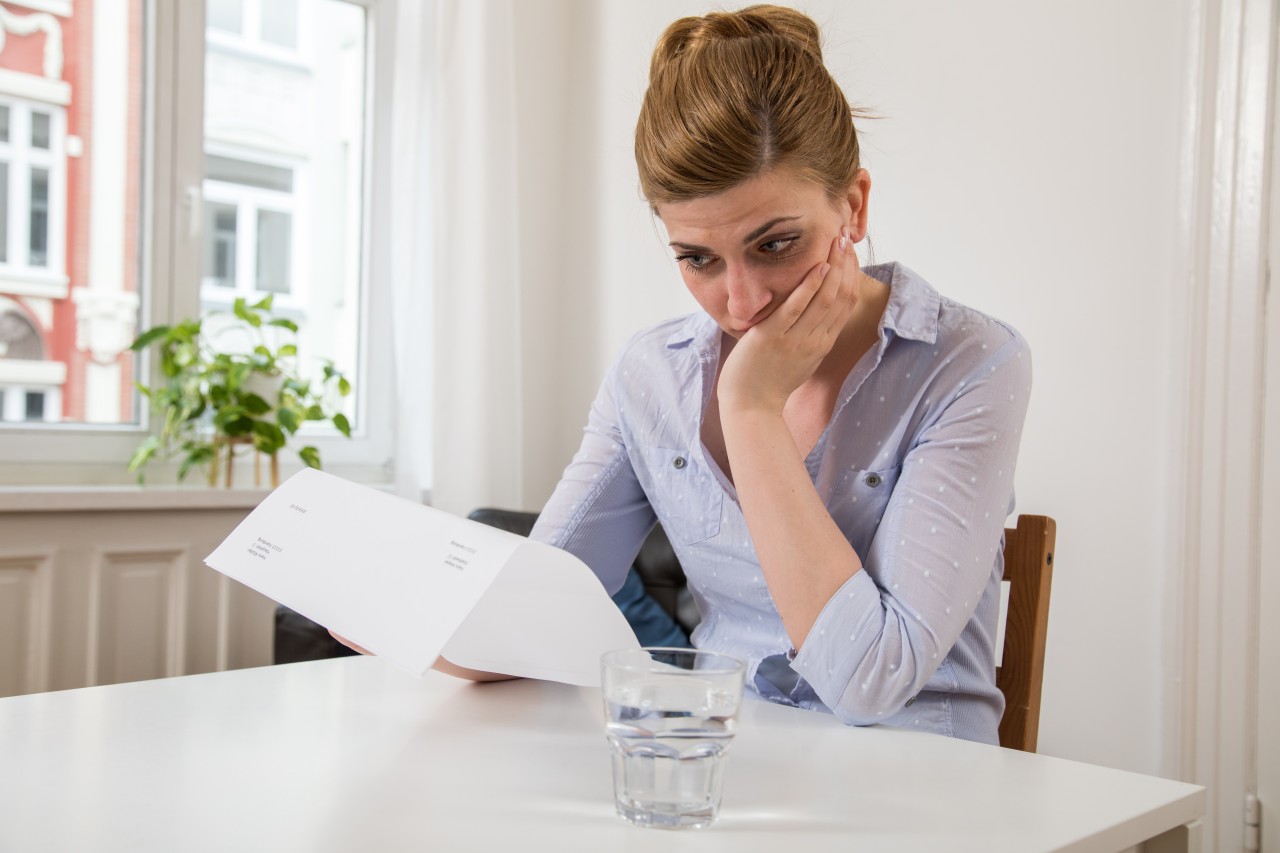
(885, 632)
(598, 511)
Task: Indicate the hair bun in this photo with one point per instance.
(689, 35)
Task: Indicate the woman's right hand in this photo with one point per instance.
(349, 644)
(777, 356)
(441, 665)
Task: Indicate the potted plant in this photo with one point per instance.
(214, 400)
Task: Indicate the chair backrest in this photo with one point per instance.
(1028, 566)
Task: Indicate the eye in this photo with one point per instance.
(694, 262)
(778, 245)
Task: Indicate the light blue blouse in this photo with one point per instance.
(916, 467)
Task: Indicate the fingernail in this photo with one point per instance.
(846, 239)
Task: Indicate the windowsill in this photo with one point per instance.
(125, 498)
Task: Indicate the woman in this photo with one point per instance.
(830, 449)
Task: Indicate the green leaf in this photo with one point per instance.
(254, 404)
(289, 420)
(237, 374)
(226, 415)
(264, 304)
(143, 454)
(344, 387)
(239, 426)
(344, 426)
(284, 324)
(198, 453)
(267, 437)
(310, 456)
(250, 316)
(285, 350)
(315, 413)
(148, 337)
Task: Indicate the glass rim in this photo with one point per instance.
(722, 662)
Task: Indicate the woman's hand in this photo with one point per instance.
(349, 644)
(776, 356)
(441, 665)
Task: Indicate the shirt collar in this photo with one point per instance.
(696, 328)
(914, 305)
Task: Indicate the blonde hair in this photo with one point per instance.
(733, 95)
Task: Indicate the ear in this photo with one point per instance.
(859, 194)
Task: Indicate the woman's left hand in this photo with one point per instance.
(776, 356)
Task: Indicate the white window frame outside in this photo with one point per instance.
(248, 200)
(249, 39)
(16, 270)
(79, 454)
(14, 403)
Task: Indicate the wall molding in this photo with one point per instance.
(1212, 629)
(34, 88)
(25, 25)
(25, 583)
(61, 8)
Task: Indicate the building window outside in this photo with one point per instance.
(249, 230)
(32, 188)
(271, 27)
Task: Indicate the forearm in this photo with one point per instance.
(803, 554)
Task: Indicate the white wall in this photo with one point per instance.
(1026, 163)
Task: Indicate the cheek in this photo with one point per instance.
(782, 277)
(705, 290)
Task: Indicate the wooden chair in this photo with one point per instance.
(1028, 566)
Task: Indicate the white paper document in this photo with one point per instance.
(411, 583)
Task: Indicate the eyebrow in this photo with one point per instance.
(754, 235)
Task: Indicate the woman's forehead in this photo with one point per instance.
(773, 195)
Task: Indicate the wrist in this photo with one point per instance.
(748, 403)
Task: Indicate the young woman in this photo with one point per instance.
(830, 449)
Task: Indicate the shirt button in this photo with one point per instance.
(873, 480)
(678, 462)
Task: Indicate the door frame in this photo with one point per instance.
(1212, 633)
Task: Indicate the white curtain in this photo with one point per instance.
(453, 253)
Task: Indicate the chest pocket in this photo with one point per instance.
(686, 496)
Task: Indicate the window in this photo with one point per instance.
(29, 384)
(131, 196)
(284, 154)
(32, 199)
(262, 26)
(249, 238)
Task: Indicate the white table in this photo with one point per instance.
(353, 755)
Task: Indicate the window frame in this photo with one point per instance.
(173, 177)
(22, 158)
(248, 201)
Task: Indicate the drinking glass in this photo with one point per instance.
(670, 718)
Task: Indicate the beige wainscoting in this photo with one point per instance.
(109, 585)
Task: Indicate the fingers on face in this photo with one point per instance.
(823, 289)
(847, 281)
(836, 285)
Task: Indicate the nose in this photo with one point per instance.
(748, 295)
